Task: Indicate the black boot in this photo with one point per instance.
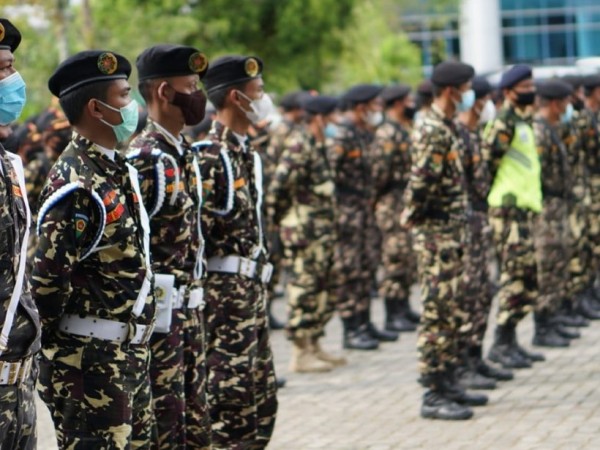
(437, 406)
(408, 312)
(395, 319)
(274, 324)
(570, 317)
(503, 353)
(356, 338)
(454, 392)
(584, 309)
(565, 332)
(469, 378)
(281, 381)
(545, 334)
(487, 370)
(380, 335)
(526, 354)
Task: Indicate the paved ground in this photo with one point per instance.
(373, 403)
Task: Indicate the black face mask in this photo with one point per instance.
(409, 112)
(578, 104)
(193, 106)
(525, 98)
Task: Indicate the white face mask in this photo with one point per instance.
(488, 112)
(261, 108)
(374, 118)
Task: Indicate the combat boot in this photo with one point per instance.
(503, 353)
(304, 358)
(437, 406)
(409, 313)
(336, 361)
(380, 335)
(545, 334)
(356, 337)
(488, 371)
(570, 317)
(453, 391)
(468, 377)
(526, 354)
(585, 310)
(565, 332)
(395, 319)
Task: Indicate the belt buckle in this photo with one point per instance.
(25, 369)
(14, 372)
(245, 267)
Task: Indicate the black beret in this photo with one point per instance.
(88, 67)
(424, 89)
(361, 93)
(292, 100)
(554, 89)
(514, 75)
(10, 38)
(452, 73)
(481, 86)
(167, 60)
(320, 104)
(591, 81)
(396, 92)
(232, 69)
(575, 81)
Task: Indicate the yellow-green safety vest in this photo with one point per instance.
(519, 173)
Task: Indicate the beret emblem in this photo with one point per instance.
(198, 62)
(251, 67)
(107, 63)
(2, 32)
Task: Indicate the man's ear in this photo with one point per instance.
(161, 92)
(93, 109)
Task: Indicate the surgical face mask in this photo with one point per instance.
(129, 116)
(567, 115)
(374, 118)
(261, 108)
(193, 106)
(488, 112)
(467, 101)
(12, 98)
(330, 130)
(525, 98)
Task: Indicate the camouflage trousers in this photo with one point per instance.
(98, 393)
(276, 258)
(241, 390)
(178, 377)
(397, 256)
(552, 238)
(594, 222)
(512, 232)
(441, 274)
(18, 417)
(353, 264)
(478, 290)
(310, 303)
(581, 263)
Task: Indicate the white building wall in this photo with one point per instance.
(481, 34)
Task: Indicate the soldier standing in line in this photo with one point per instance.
(474, 372)
(551, 228)
(19, 321)
(300, 203)
(391, 170)
(92, 279)
(437, 210)
(172, 193)
(354, 194)
(241, 378)
(514, 200)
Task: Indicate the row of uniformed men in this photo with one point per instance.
(147, 289)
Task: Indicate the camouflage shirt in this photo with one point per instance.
(36, 172)
(391, 157)
(577, 156)
(477, 171)
(300, 196)
(436, 192)
(587, 124)
(349, 160)
(231, 194)
(169, 189)
(23, 339)
(553, 159)
(90, 259)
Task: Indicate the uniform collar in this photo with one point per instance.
(174, 141)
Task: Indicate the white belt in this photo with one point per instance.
(240, 265)
(15, 372)
(195, 301)
(108, 330)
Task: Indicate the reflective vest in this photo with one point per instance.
(518, 180)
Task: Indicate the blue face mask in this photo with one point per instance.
(567, 115)
(12, 98)
(467, 101)
(129, 116)
(330, 130)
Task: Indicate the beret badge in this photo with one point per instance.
(2, 32)
(107, 63)
(198, 62)
(251, 67)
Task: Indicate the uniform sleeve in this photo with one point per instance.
(67, 230)
(216, 189)
(382, 147)
(497, 137)
(144, 164)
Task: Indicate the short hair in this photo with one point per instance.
(218, 96)
(73, 103)
(436, 90)
(145, 87)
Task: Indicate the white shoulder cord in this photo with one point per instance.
(200, 252)
(229, 174)
(19, 280)
(258, 180)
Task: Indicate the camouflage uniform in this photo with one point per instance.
(177, 365)
(478, 289)
(241, 378)
(512, 229)
(353, 265)
(551, 232)
(17, 353)
(300, 202)
(391, 172)
(436, 205)
(91, 282)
